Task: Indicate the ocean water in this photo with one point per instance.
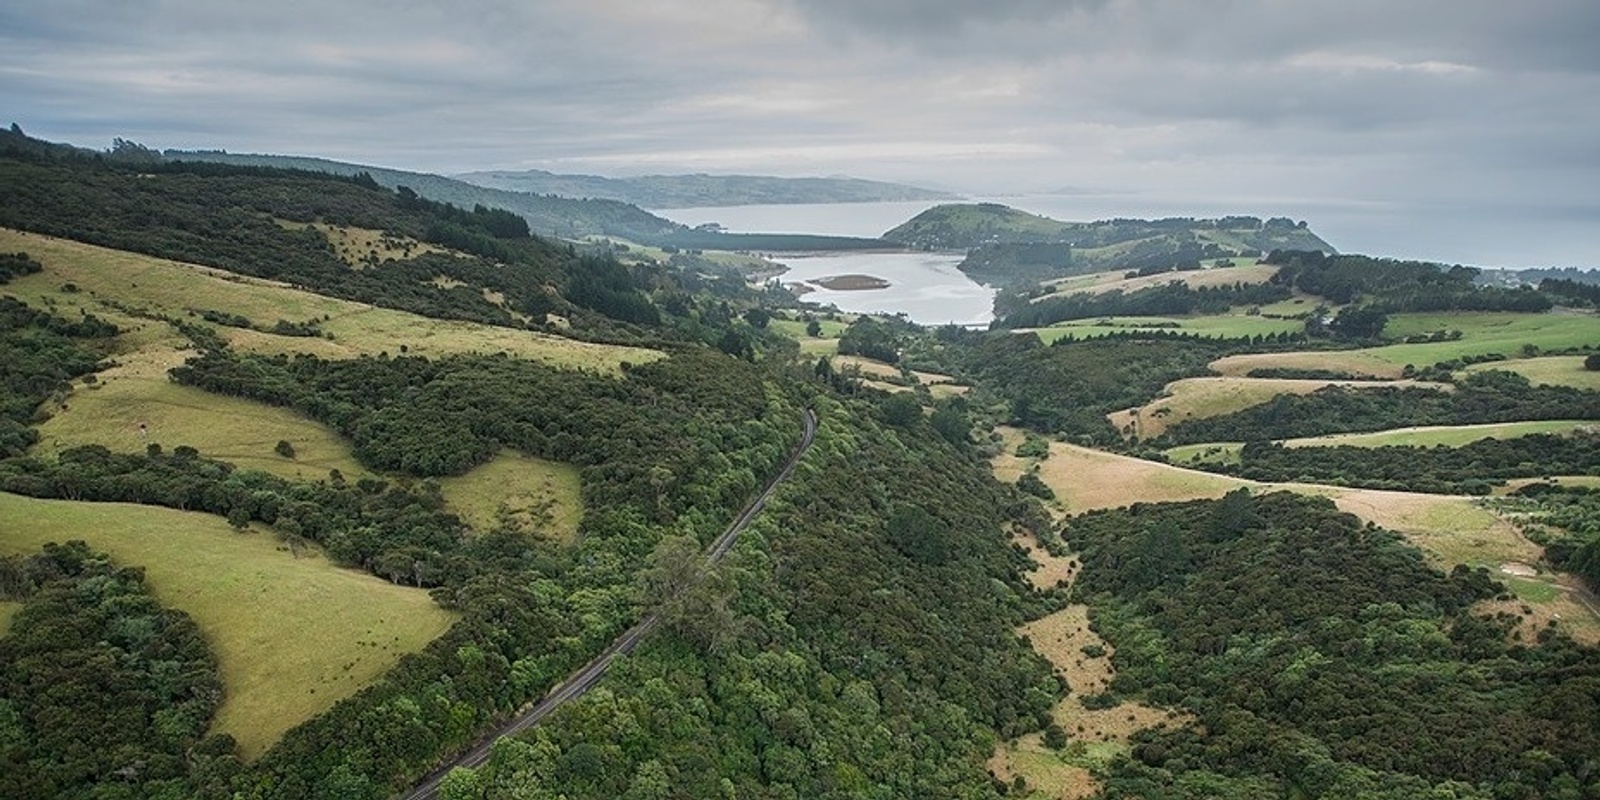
(929, 290)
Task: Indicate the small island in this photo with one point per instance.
(851, 283)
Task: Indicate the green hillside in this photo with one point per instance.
(1007, 245)
(406, 466)
(563, 217)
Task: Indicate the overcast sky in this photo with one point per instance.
(1377, 104)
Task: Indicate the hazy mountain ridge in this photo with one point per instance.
(700, 189)
(547, 215)
(558, 216)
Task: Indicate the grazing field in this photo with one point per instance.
(1447, 435)
(176, 289)
(521, 493)
(293, 635)
(1217, 326)
(1102, 282)
(865, 366)
(363, 247)
(1363, 363)
(796, 328)
(1482, 333)
(1449, 530)
(137, 393)
(1551, 370)
(1421, 436)
(1198, 398)
(1084, 479)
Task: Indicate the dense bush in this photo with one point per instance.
(1323, 658)
(103, 693)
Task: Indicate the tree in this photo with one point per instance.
(871, 338)
(919, 535)
(951, 423)
(902, 409)
(284, 449)
(1592, 362)
(1358, 322)
(813, 328)
(758, 317)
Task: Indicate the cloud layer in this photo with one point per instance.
(1471, 102)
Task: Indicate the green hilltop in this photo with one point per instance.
(1006, 244)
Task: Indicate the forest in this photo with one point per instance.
(103, 692)
(1324, 658)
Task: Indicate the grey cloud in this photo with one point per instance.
(1369, 99)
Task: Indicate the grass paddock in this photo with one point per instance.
(293, 635)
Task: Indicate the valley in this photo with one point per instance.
(1303, 524)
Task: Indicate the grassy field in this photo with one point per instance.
(175, 289)
(1422, 436)
(824, 345)
(363, 247)
(1448, 435)
(1364, 363)
(520, 492)
(293, 635)
(865, 366)
(1551, 370)
(1101, 282)
(1449, 530)
(110, 411)
(1481, 333)
(1228, 326)
(1198, 398)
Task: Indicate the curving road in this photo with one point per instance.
(586, 677)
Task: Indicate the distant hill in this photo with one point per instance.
(689, 191)
(547, 215)
(1007, 245)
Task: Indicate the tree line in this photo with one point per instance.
(1472, 468)
(1484, 397)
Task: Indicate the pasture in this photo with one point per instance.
(1482, 333)
(1213, 326)
(1446, 435)
(1198, 398)
(1114, 280)
(293, 635)
(1419, 436)
(108, 279)
(521, 493)
(136, 392)
(1546, 370)
(363, 247)
(1448, 529)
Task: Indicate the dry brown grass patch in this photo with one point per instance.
(1354, 362)
(1199, 398)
